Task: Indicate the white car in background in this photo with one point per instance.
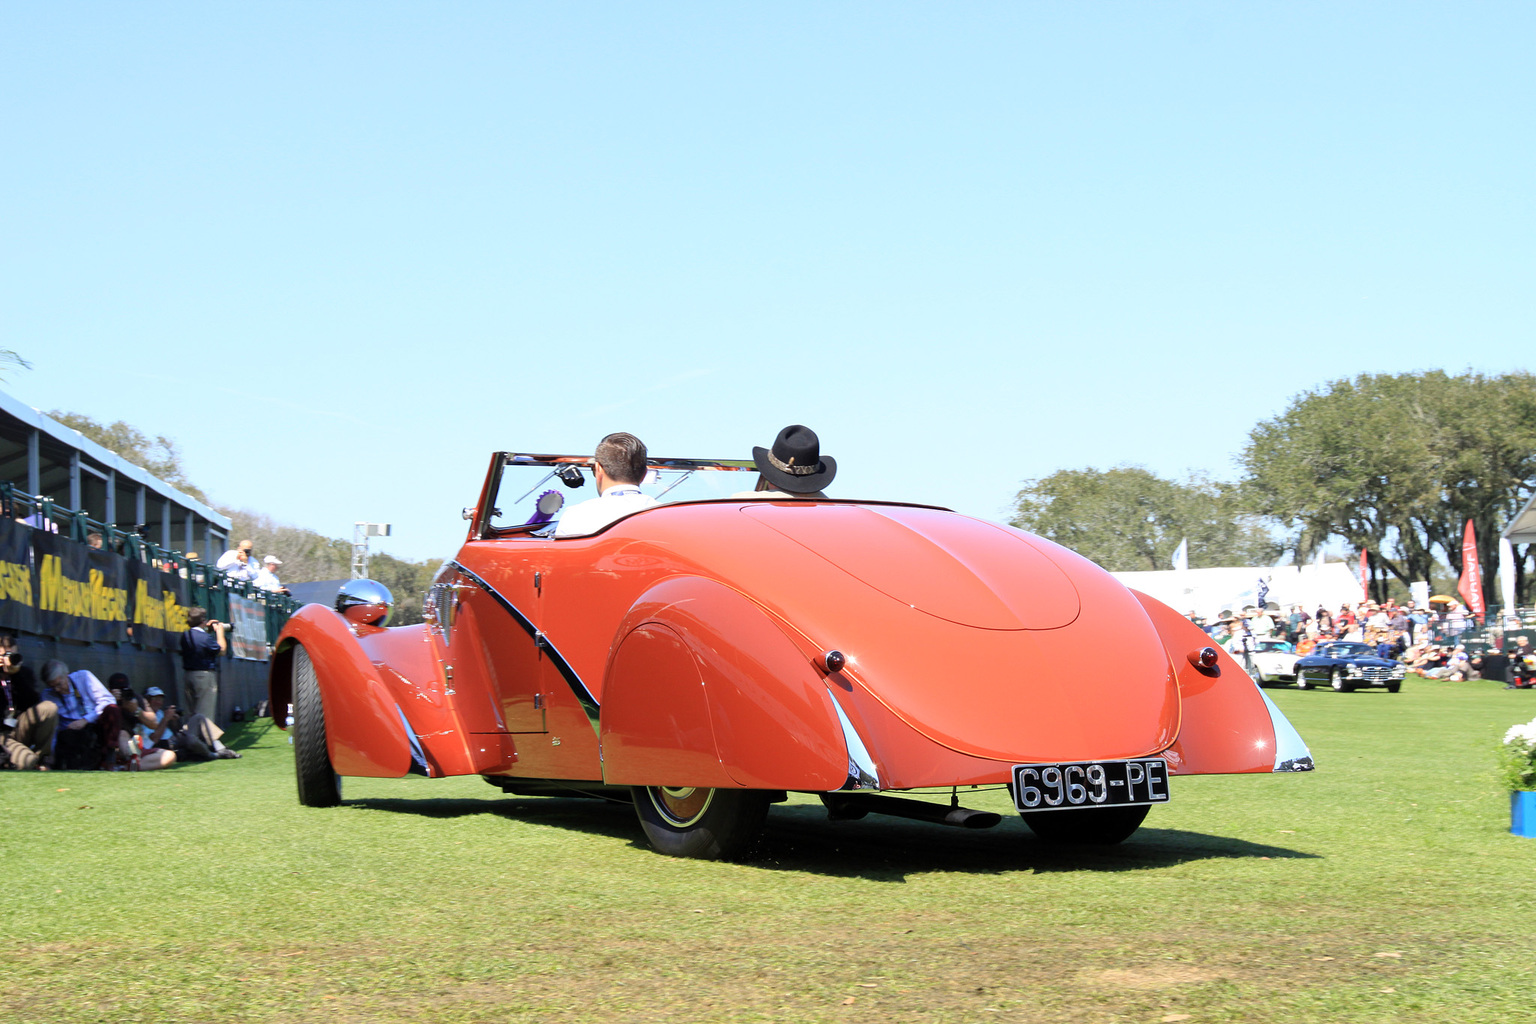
(1271, 661)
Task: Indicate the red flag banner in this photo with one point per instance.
(1365, 577)
(1471, 586)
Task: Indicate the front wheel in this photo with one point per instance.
(1394, 687)
(319, 785)
(1097, 826)
(1302, 682)
(1336, 680)
(707, 824)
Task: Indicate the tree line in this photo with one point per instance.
(1394, 464)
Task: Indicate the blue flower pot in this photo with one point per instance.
(1522, 813)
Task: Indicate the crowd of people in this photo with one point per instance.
(1429, 641)
(55, 719)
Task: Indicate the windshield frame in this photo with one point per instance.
(482, 528)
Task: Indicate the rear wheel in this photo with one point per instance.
(708, 824)
(319, 785)
(1336, 680)
(1098, 826)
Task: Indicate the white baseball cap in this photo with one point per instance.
(272, 560)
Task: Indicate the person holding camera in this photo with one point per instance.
(27, 722)
(201, 646)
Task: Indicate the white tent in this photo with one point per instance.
(1209, 591)
(1521, 530)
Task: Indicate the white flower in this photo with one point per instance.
(1522, 733)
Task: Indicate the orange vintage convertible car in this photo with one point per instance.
(709, 654)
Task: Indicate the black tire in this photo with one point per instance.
(1092, 826)
(1394, 687)
(706, 824)
(1336, 680)
(319, 785)
(1302, 682)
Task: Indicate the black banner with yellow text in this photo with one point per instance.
(81, 592)
(159, 603)
(18, 596)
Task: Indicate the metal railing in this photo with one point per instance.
(207, 585)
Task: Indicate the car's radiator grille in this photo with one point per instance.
(1376, 673)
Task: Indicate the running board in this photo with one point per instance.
(853, 806)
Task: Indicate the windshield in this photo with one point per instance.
(1275, 645)
(1349, 651)
(534, 488)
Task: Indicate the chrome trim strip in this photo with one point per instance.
(1291, 753)
(584, 697)
(862, 773)
(418, 756)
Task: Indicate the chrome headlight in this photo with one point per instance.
(1354, 670)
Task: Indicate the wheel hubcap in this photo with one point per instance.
(680, 805)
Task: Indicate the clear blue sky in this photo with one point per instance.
(343, 251)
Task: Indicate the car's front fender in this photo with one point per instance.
(365, 733)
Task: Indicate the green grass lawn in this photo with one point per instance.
(1382, 887)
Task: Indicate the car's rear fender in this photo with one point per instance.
(365, 732)
(1227, 723)
(704, 689)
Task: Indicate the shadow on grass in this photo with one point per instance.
(883, 849)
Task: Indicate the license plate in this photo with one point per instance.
(1061, 787)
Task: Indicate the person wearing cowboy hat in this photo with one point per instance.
(793, 468)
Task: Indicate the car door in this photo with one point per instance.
(492, 657)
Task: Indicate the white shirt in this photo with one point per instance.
(266, 579)
(616, 502)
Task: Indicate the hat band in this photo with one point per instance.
(790, 468)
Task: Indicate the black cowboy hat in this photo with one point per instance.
(795, 464)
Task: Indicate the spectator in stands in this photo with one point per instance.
(93, 539)
(27, 722)
(228, 558)
(236, 562)
(88, 717)
(38, 522)
(201, 646)
(267, 579)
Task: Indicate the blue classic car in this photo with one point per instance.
(1348, 666)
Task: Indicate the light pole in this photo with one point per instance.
(360, 534)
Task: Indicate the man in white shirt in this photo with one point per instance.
(236, 562)
(267, 579)
(618, 466)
